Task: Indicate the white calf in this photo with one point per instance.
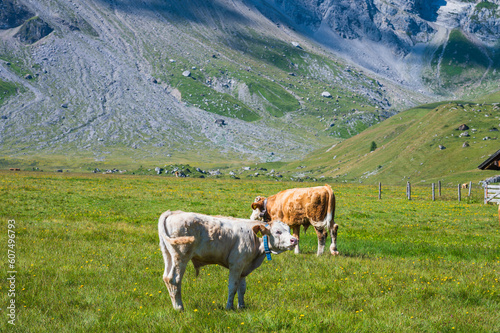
(225, 241)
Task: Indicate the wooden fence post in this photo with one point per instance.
(439, 187)
(470, 188)
(485, 193)
(459, 193)
(379, 190)
(408, 190)
(433, 192)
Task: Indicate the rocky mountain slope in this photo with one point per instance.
(397, 39)
(263, 80)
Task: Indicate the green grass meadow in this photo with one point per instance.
(88, 260)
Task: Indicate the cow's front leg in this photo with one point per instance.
(296, 234)
(234, 283)
(322, 234)
(333, 233)
(242, 288)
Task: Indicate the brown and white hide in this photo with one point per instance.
(302, 207)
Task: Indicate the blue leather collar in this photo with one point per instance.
(266, 245)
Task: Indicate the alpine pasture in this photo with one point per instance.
(88, 260)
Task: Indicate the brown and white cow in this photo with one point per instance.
(302, 207)
(225, 241)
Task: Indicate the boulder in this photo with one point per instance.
(464, 134)
(220, 122)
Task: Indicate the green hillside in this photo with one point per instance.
(7, 89)
(462, 61)
(463, 66)
(408, 146)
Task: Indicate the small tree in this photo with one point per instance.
(373, 146)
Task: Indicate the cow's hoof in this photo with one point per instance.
(335, 253)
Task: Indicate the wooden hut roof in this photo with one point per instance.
(492, 163)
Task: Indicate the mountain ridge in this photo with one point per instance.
(109, 81)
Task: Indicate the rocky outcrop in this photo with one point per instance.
(400, 24)
(33, 30)
(484, 21)
(13, 14)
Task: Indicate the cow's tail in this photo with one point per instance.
(162, 231)
(331, 221)
(331, 206)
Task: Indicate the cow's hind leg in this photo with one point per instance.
(172, 276)
(296, 234)
(167, 258)
(333, 233)
(322, 235)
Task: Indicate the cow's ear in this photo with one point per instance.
(256, 205)
(259, 228)
(256, 230)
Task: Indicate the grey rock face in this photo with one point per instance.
(397, 23)
(13, 14)
(484, 22)
(33, 30)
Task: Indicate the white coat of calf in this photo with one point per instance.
(226, 241)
